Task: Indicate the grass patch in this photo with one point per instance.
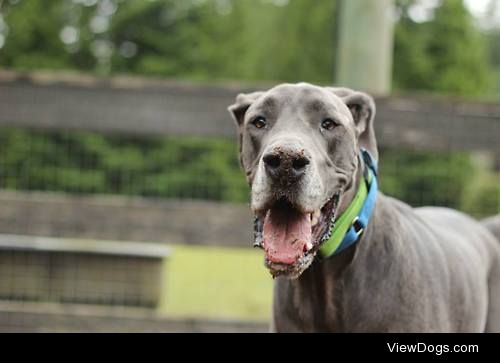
(216, 282)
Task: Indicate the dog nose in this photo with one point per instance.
(287, 166)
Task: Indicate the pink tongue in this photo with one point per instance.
(286, 233)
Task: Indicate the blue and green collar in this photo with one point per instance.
(349, 227)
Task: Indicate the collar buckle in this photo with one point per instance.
(358, 227)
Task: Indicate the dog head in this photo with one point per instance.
(299, 147)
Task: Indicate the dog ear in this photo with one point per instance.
(362, 107)
(243, 102)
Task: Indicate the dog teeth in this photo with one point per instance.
(308, 246)
(315, 217)
(258, 244)
(328, 234)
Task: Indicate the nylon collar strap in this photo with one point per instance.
(350, 225)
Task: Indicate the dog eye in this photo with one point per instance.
(259, 122)
(328, 124)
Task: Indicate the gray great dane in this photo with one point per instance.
(408, 269)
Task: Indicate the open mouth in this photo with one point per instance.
(291, 238)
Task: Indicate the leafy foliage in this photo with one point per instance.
(445, 55)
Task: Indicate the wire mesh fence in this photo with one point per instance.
(79, 162)
(78, 279)
(208, 169)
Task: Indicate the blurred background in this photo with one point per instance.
(123, 207)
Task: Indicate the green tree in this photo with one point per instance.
(460, 66)
(289, 43)
(447, 54)
(32, 36)
(163, 37)
(494, 45)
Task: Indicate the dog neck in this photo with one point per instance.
(320, 299)
(322, 283)
(342, 260)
